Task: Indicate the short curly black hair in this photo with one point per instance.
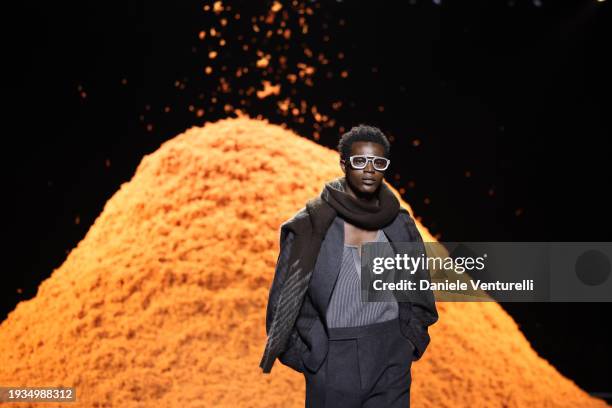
(362, 133)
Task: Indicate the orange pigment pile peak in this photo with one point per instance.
(162, 304)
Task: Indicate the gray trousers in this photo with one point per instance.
(366, 367)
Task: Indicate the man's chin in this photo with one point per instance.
(367, 191)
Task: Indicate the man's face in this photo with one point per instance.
(367, 180)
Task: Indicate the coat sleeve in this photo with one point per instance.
(424, 311)
(286, 240)
(291, 355)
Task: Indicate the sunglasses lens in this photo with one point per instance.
(380, 164)
(358, 162)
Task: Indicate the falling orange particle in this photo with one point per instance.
(212, 54)
(305, 70)
(218, 7)
(302, 23)
(284, 104)
(263, 62)
(202, 35)
(200, 113)
(276, 6)
(162, 304)
(224, 86)
(208, 70)
(268, 90)
(416, 142)
(344, 74)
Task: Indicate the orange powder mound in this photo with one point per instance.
(162, 304)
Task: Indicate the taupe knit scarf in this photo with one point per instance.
(356, 212)
(309, 233)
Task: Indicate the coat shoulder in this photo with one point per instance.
(410, 224)
(300, 218)
(404, 215)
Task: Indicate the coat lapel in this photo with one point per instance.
(327, 266)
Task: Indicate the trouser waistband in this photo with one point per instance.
(344, 333)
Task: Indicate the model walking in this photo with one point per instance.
(352, 353)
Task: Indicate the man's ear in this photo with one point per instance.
(343, 166)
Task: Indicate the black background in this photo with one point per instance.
(515, 92)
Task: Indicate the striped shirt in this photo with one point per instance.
(346, 309)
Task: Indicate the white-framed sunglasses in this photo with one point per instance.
(360, 161)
